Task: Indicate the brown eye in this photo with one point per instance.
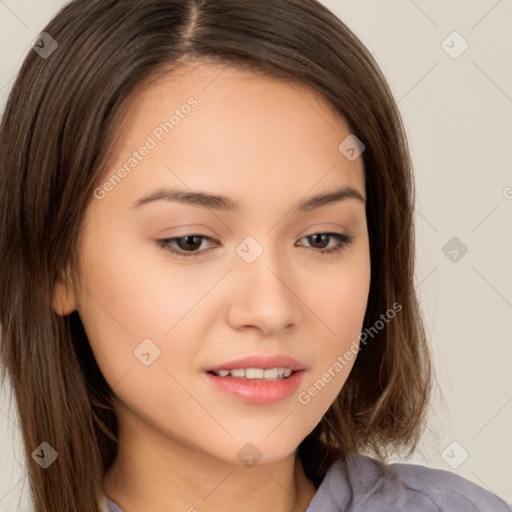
(321, 240)
(187, 246)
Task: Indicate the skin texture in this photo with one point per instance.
(267, 144)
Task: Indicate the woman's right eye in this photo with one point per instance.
(187, 245)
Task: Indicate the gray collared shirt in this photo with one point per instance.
(360, 485)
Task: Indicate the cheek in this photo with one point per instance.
(341, 308)
(136, 293)
(340, 296)
(138, 309)
(133, 288)
(122, 301)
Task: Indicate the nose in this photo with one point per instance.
(263, 296)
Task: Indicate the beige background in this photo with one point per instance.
(458, 114)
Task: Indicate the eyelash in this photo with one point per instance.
(165, 244)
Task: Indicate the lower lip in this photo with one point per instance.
(254, 391)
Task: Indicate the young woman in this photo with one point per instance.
(207, 251)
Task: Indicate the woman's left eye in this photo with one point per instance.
(188, 245)
(320, 238)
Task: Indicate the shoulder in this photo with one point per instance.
(362, 483)
(447, 490)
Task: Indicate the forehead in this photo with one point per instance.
(246, 130)
(237, 98)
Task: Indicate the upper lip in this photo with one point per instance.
(260, 361)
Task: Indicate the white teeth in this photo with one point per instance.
(252, 373)
(271, 374)
(256, 373)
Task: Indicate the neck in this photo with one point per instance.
(152, 473)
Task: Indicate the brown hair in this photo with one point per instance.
(55, 138)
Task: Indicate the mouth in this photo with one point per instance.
(255, 390)
(259, 374)
(258, 379)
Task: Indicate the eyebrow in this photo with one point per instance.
(227, 204)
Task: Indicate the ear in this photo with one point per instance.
(64, 300)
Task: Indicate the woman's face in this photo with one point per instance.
(257, 283)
